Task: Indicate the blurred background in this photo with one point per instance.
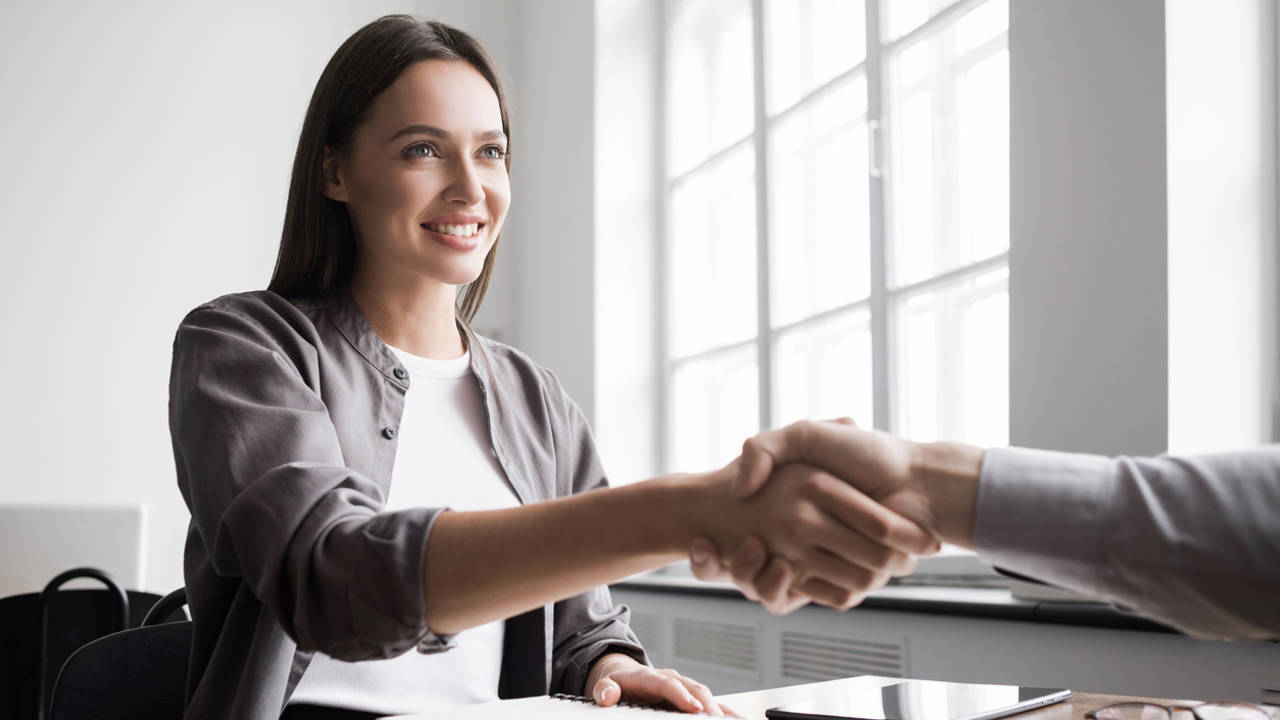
(1029, 222)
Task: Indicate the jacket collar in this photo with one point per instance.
(354, 326)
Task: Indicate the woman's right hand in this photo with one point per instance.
(830, 542)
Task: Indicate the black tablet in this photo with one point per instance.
(922, 700)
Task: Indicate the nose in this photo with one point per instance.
(465, 188)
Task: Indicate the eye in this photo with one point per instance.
(420, 150)
(492, 152)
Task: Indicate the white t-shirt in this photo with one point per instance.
(443, 459)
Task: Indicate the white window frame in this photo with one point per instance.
(883, 297)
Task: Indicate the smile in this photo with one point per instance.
(456, 230)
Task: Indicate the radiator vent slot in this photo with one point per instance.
(822, 657)
(1271, 696)
(645, 626)
(731, 646)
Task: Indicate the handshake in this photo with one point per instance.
(827, 512)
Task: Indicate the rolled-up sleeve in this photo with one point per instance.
(587, 625)
(261, 469)
(1190, 541)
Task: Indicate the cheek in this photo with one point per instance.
(386, 196)
(498, 197)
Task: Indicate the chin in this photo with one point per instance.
(456, 275)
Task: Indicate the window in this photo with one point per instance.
(836, 220)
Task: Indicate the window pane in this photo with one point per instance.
(807, 43)
(710, 93)
(984, 155)
(712, 256)
(953, 362)
(714, 407)
(949, 131)
(903, 16)
(819, 241)
(823, 371)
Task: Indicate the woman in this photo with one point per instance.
(323, 428)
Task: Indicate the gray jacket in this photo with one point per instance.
(283, 415)
(1192, 541)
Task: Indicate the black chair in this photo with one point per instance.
(39, 631)
(138, 673)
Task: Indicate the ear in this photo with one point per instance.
(331, 176)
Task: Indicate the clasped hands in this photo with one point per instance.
(840, 510)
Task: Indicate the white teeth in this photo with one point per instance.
(460, 230)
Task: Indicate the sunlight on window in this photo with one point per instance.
(711, 93)
(808, 43)
(712, 256)
(954, 362)
(715, 407)
(949, 119)
(823, 370)
(819, 243)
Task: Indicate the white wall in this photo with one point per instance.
(1222, 221)
(147, 150)
(626, 362)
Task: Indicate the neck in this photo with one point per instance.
(418, 318)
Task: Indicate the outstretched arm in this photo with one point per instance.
(481, 566)
(1190, 541)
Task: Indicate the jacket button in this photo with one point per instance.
(388, 432)
(400, 373)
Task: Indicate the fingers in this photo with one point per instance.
(700, 692)
(857, 549)
(849, 578)
(747, 562)
(648, 686)
(872, 520)
(606, 692)
(824, 593)
(756, 465)
(704, 560)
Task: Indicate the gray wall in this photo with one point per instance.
(1087, 259)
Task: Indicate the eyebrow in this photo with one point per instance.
(442, 133)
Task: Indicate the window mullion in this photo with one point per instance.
(881, 352)
(663, 368)
(764, 335)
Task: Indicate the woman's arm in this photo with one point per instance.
(482, 566)
(261, 468)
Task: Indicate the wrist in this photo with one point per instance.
(700, 505)
(947, 476)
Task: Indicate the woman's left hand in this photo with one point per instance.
(616, 678)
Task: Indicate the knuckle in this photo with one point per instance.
(852, 601)
(877, 526)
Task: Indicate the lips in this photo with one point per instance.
(457, 236)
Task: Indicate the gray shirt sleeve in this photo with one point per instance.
(262, 471)
(1193, 542)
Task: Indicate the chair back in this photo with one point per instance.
(69, 619)
(138, 673)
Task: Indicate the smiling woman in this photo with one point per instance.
(389, 513)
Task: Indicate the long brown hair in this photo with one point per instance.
(318, 247)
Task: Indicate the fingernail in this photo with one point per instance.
(699, 553)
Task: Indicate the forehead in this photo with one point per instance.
(448, 94)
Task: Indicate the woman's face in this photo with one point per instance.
(424, 177)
